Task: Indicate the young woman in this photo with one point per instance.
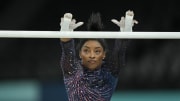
(90, 71)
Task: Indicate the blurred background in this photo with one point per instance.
(30, 68)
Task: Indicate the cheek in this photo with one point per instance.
(100, 58)
(83, 56)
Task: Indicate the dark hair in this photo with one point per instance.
(95, 22)
(101, 41)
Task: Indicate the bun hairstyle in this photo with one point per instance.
(95, 22)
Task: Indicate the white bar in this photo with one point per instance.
(86, 34)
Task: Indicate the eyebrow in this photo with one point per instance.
(89, 47)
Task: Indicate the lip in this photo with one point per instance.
(92, 61)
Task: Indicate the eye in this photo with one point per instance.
(85, 50)
(97, 51)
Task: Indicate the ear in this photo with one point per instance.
(104, 55)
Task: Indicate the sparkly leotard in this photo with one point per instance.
(85, 85)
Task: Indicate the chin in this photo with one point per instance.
(93, 68)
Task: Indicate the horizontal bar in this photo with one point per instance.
(89, 34)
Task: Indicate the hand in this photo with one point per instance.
(126, 23)
(69, 24)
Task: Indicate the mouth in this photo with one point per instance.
(92, 61)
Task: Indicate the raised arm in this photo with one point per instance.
(68, 57)
(119, 47)
(126, 25)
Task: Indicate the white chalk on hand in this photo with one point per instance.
(66, 22)
(128, 23)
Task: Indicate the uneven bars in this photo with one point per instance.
(89, 34)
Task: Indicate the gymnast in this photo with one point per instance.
(91, 70)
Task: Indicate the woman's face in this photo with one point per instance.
(92, 54)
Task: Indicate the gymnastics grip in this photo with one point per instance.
(128, 22)
(65, 22)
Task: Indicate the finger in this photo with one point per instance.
(68, 15)
(62, 19)
(130, 13)
(135, 21)
(122, 21)
(122, 18)
(115, 21)
(73, 21)
(78, 24)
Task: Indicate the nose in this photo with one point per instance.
(92, 55)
